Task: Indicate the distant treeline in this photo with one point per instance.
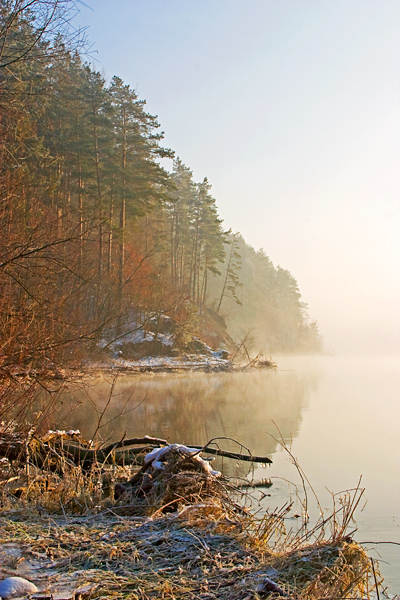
(93, 229)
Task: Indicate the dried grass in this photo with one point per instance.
(188, 537)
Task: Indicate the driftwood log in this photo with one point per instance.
(52, 454)
(235, 456)
(49, 455)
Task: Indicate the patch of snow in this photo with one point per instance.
(155, 457)
(14, 587)
(186, 361)
(136, 337)
(165, 339)
(220, 354)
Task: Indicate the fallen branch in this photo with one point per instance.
(49, 451)
(234, 455)
(133, 441)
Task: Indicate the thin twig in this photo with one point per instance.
(374, 574)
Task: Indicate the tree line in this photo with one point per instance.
(95, 233)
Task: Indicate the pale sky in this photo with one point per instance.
(291, 108)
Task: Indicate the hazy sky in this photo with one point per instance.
(291, 108)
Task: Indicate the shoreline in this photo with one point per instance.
(192, 554)
(146, 365)
(175, 530)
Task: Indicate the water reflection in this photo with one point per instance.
(191, 408)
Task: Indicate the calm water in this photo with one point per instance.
(340, 415)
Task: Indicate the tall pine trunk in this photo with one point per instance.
(122, 221)
(99, 205)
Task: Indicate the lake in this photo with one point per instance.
(341, 417)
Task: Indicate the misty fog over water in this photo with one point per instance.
(339, 415)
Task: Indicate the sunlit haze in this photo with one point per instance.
(291, 109)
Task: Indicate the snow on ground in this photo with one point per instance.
(159, 363)
(137, 337)
(157, 350)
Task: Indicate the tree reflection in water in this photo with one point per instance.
(191, 408)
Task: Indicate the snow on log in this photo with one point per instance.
(159, 456)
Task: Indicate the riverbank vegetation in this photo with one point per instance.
(97, 236)
(177, 529)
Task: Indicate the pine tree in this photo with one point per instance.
(231, 281)
(139, 182)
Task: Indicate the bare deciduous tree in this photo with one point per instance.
(44, 20)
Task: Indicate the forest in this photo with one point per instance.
(95, 232)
